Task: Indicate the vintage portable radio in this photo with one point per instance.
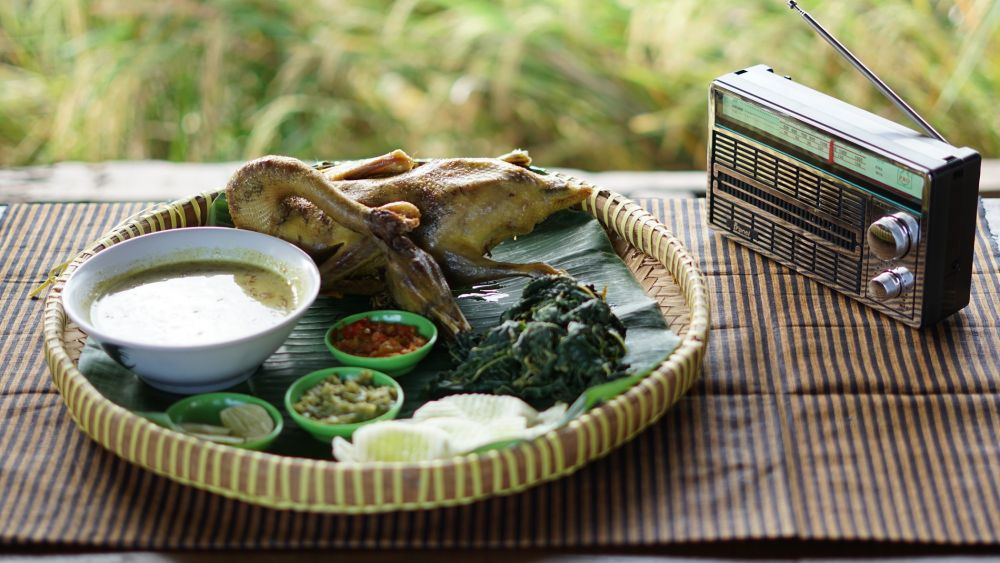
(859, 203)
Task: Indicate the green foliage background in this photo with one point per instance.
(595, 84)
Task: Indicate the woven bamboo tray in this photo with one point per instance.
(658, 259)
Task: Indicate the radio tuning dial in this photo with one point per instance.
(893, 236)
(890, 284)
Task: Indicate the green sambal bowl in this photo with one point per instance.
(325, 432)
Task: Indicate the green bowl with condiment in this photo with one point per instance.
(322, 431)
(205, 409)
(398, 364)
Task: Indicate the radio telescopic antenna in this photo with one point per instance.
(882, 86)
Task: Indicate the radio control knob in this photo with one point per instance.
(893, 236)
(890, 284)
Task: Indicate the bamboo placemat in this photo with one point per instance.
(814, 419)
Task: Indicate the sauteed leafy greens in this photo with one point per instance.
(558, 340)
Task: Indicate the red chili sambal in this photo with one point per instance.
(374, 339)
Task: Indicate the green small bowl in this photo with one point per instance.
(325, 432)
(205, 408)
(392, 365)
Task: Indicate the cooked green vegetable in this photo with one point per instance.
(558, 340)
(337, 401)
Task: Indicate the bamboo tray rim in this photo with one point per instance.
(285, 482)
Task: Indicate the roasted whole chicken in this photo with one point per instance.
(392, 222)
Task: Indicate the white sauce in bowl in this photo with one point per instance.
(192, 303)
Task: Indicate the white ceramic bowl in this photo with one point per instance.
(206, 367)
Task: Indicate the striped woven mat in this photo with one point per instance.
(815, 419)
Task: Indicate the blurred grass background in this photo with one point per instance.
(589, 83)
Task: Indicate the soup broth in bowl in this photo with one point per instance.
(192, 310)
(190, 303)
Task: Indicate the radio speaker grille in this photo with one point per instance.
(794, 181)
(785, 244)
(805, 220)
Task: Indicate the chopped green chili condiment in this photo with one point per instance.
(336, 401)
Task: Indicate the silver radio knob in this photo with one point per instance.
(893, 236)
(890, 283)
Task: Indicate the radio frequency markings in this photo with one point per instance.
(823, 146)
(878, 169)
(786, 129)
